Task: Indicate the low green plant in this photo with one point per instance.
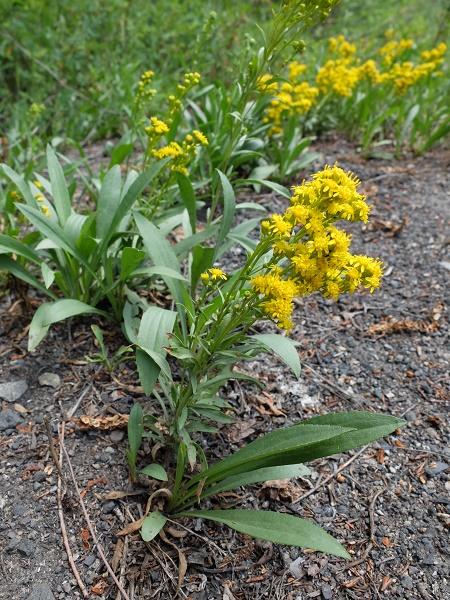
(298, 252)
(277, 455)
(109, 362)
(89, 256)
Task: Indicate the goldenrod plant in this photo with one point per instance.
(299, 252)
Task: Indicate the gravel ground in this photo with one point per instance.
(389, 504)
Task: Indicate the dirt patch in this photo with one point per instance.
(388, 503)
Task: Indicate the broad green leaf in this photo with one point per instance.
(159, 360)
(10, 244)
(152, 525)
(52, 312)
(156, 323)
(119, 153)
(131, 258)
(276, 187)
(308, 440)
(135, 429)
(148, 371)
(127, 201)
(202, 259)
(283, 347)
(74, 226)
(22, 185)
(48, 275)
(243, 229)
(183, 247)
(162, 254)
(188, 198)
(229, 210)
(279, 528)
(161, 271)
(60, 193)
(155, 471)
(108, 201)
(16, 269)
(269, 474)
(54, 232)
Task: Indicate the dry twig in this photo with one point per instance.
(59, 497)
(89, 524)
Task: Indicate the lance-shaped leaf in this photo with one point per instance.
(279, 528)
(60, 193)
(52, 312)
(310, 439)
(284, 347)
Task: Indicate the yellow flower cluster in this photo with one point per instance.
(340, 75)
(295, 98)
(144, 92)
(393, 49)
(184, 153)
(310, 253)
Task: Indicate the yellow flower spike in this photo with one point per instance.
(205, 278)
(217, 274)
(38, 184)
(200, 137)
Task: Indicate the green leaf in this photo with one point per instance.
(279, 528)
(310, 439)
(134, 191)
(135, 430)
(229, 209)
(108, 201)
(131, 258)
(202, 259)
(60, 193)
(16, 269)
(152, 525)
(257, 476)
(161, 271)
(156, 323)
(148, 371)
(155, 471)
(10, 244)
(119, 153)
(22, 185)
(188, 198)
(282, 346)
(48, 275)
(52, 312)
(54, 233)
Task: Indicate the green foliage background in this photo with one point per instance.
(83, 58)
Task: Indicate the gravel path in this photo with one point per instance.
(389, 503)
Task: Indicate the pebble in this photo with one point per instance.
(50, 379)
(13, 390)
(41, 591)
(438, 467)
(9, 419)
(26, 547)
(326, 592)
(117, 435)
(410, 416)
(89, 560)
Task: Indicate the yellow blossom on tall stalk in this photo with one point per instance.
(309, 253)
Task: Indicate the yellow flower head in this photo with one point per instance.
(217, 274)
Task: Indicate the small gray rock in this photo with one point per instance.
(26, 547)
(89, 560)
(438, 468)
(407, 582)
(9, 419)
(13, 390)
(326, 592)
(50, 379)
(40, 476)
(117, 435)
(41, 591)
(445, 265)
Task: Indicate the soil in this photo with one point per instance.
(388, 503)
